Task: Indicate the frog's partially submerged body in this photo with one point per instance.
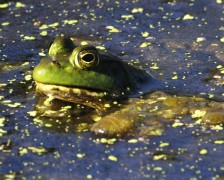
(82, 75)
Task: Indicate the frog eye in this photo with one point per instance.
(84, 57)
(60, 45)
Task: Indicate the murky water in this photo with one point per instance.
(178, 42)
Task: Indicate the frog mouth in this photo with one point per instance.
(67, 91)
(92, 98)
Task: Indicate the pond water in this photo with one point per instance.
(179, 42)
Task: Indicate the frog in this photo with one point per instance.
(80, 74)
(83, 75)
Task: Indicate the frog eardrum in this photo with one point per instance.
(84, 57)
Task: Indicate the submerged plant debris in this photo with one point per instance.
(179, 42)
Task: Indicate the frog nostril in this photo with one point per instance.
(54, 62)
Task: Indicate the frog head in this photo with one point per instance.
(83, 70)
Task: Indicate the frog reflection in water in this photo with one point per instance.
(82, 75)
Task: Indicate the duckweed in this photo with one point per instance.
(188, 17)
(112, 158)
(113, 29)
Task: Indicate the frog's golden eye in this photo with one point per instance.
(61, 45)
(85, 57)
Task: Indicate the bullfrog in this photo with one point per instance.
(82, 75)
